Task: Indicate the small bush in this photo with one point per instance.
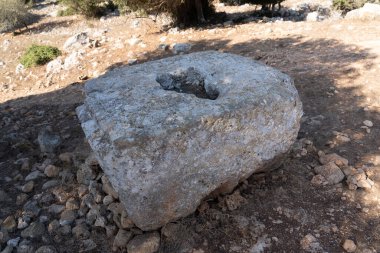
(13, 14)
(88, 8)
(66, 12)
(349, 5)
(39, 55)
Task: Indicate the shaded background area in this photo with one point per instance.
(338, 85)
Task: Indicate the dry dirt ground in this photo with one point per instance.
(335, 65)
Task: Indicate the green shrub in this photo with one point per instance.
(349, 5)
(39, 55)
(66, 12)
(88, 8)
(183, 11)
(13, 14)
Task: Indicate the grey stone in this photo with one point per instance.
(67, 217)
(31, 208)
(178, 48)
(331, 172)
(107, 187)
(13, 242)
(52, 171)
(81, 231)
(25, 248)
(28, 187)
(35, 230)
(7, 249)
(146, 243)
(34, 175)
(48, 140)
(87, 245)
(46, 249)
(121, 239)
(56, 209)
(50, 184)
(168, 133)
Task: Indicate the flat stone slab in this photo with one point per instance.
(170, 132)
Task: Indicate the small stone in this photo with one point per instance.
(163, 47)
(4, 197)
(331, 172)
(65, 229)
(107, 187)
(349, 246)
(9, 223)
(132, 61)
(337, 159)
(13, 242)
(100, 222)
(178, 48)
(50, 184)
(24, 247)
(110, 230)
(21, 198)
(146, 243)
(234, 201)
(66, 157)
(34, 175)
(126, 222)
(81, 231)
(53, 226)
(35, 230)
(25, 166)
(48, 140)
(46, 249)
(31, 208)
(21, 224)
(4, 236)
(318, 180)
(121, 239)
(52, 171)
(56, 209)
(368, 123)
(107, 200)
(28, 187)
(87, 245)
(72, 204)
(309, 243)
(67, 217)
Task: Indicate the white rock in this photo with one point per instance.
(367, 12)
(368, 123)
(164, 151)
(73, 60)
(312, 16)
(75, 42)
(55, 66)
(20, 69)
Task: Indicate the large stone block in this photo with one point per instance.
(168, 133)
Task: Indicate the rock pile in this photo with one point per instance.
(170, 132)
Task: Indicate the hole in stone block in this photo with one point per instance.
(188, 81)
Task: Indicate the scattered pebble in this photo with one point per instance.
(349, 246)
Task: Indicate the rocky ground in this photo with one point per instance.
(324, 198)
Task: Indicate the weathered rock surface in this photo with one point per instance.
(168, 133)
(367, 12)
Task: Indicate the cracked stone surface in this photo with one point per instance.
(167, 140)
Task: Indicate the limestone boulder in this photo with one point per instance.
(369, 11)
(169, 133)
